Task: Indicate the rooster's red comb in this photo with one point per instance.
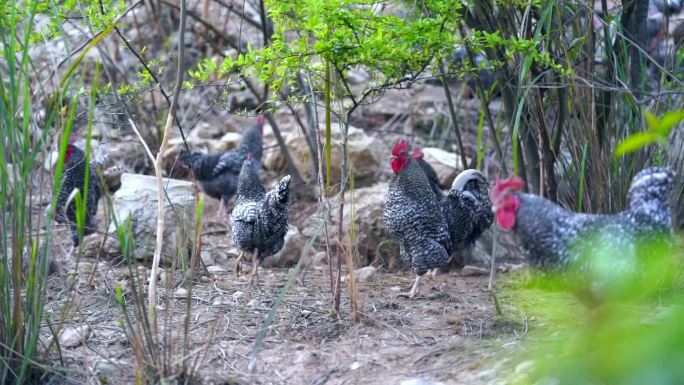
(261, 119)
(418, 155)
(511, 183)
(249, 156)
(402, 146)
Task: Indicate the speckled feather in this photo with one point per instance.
(259, 219)
(553, 236)
(483, 217)
(413, 217)
(252, 142)
(432, 177)
(467, 212)
(218, 173)
(74, 177)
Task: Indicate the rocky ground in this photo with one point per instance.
(451, 334)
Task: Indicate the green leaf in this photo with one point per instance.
(652, 122)
(668, 121)
(635, 142)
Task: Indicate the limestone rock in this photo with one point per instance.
(136, 201)
(74, 336)
(470, 270)
(372, 240)
(367, 154)
(365, 274)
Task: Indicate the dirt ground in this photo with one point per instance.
(450, 334)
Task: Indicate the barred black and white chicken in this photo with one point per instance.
(429, 227)
(259, 220)
(218, 173)
(598, 248)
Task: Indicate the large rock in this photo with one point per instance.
(371, 239)
(292, 250)
(206, 138)
(136, 201)
(366, 154)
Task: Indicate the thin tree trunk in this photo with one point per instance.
(152, 299)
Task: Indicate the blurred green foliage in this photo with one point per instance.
(629, 329)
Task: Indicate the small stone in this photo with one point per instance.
(143, 273)
(215, 269)
(110, 367)
(220, 301)
(86, 267)
(355, 365)
(365, 274)
(73, 337)
(548, 381)
(125, 286)
(473, 270)
(320, 258)
(237, 295)
(421, 381)
(488, 374)
(524, 367)
(181, 292)
(207, 257)
(230, 140)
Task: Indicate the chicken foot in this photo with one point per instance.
(414, 290)
(255, 268)
(237, 263)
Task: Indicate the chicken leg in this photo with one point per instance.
(255, 268)
(414, 290)
(237, 263)
(222, 214)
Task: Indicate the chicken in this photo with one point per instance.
(218, 173)
(467, 209)
(429, 226)
(470, 192)
(259, 220)
(557, 239)
(429, 172)
(413, 216)
(73, 181)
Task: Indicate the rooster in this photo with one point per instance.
(557, 239)
(427, 227)
(73, 182)
(218, 173)
(259, 220)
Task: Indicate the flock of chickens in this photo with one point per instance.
(429, 224)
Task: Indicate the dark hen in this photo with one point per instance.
(218, 173)
(259, 220)
(73, 181)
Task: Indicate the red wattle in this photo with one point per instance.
(506, 219)
(398, 164)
